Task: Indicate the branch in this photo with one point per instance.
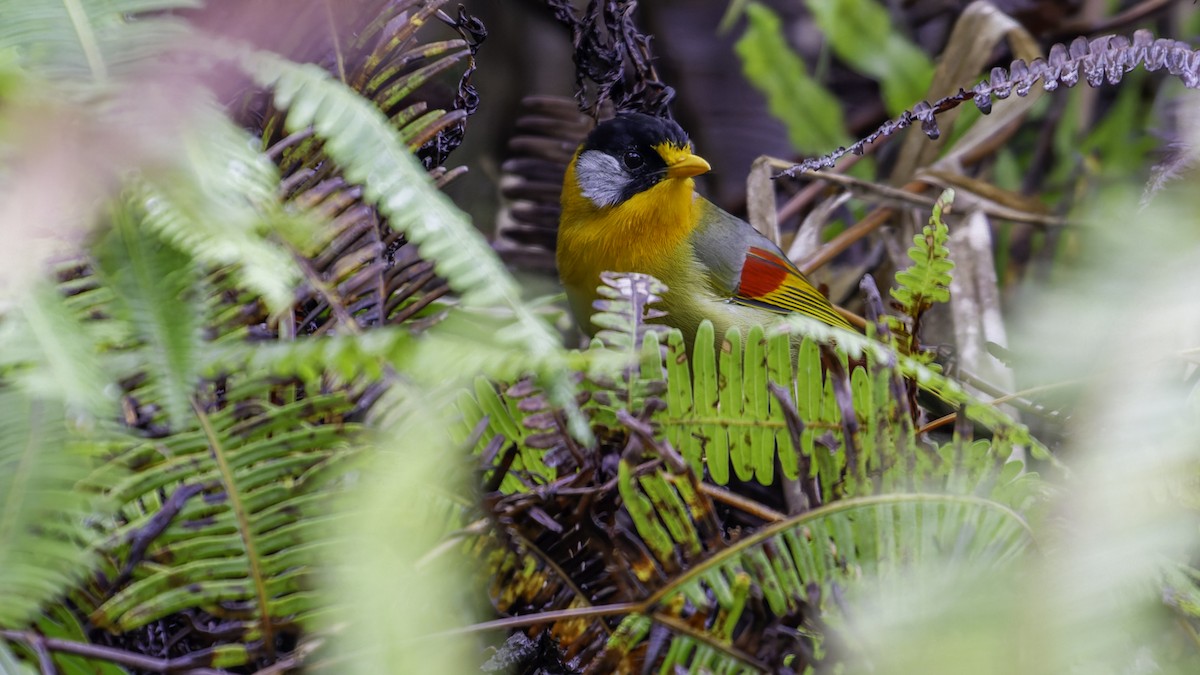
(1104, 59)
(195, 662)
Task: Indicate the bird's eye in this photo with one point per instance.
(633, 160)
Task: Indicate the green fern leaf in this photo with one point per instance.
(90, 39)
(49, 354)
(1007, 432)
(54, 396)
(220, 206)
(928, 280)
(623, 312)
(838, 551)
(344, 356)
(628, 635)
(723, 416)
(641, 509)
(256, 536)
(359, 139)
(155, 293)
(506, 426)
(812, 114)
(10, 664)
(43, 544)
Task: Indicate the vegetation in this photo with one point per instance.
(270, 403)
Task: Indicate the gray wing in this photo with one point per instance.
(749, 269)
(721, 242)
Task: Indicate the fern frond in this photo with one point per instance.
(213, 197)
(627, 333)
(359, 139)
(356, 268)
(346, 356)
(359, 267)
(1007, 431)
(927, 281)
(624, 314)
(49, 354)
(741, 410)
(90, 39)
(722, 415)
(244, 546)
(508, 416)
(43, 543)
(220, 206)
(55, 399)
(808, 566)
(154, 289)
(754, 405)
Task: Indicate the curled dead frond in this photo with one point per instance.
(1096, 61)
(615, 56)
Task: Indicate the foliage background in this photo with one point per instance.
(249, 345)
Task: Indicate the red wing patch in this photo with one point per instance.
(762, 273)
(772, 283)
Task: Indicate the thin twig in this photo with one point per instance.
(938, 423)
(543, 617)
(801, 199)
(849, 236)
(141, 538)
(1014, 398)
(1017, 398)
(741, 503)
(888, 192)
(194, 662)
(275, 152)
(679, 626)
(797, 203)
(45, 660)
(294, 660)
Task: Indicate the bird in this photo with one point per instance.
(629, 204)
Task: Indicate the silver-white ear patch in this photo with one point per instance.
(601, 178)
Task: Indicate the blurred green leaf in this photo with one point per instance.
(58, 622)
(10, 665)
(42, 513)
(219, 204)
(155, 292)
(813, 117)
(861, 34)
(1114, 147)
(90, 40)
(399, 513)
